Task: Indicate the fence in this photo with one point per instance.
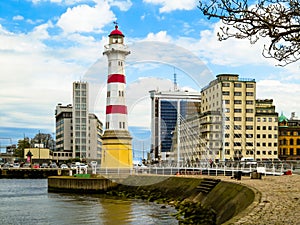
(211, 170)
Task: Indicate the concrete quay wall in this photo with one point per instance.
(227, 199)
(79, 184)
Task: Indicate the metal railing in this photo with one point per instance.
(204, 169)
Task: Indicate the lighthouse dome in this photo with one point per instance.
(116, 31)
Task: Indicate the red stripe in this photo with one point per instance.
(122, 109)
(116, 78)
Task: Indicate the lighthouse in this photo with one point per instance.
(116, 140)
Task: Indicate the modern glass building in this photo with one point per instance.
(167, 109)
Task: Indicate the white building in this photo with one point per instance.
(78, 132)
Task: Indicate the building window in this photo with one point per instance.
(249, 135)
(258, 119)
(226, 84)
(237, 110)
(270, 144)
(237, 127)
(249, 110)
(237, 93)
(237, 102)
(237, 118)
(249, 94)
(249, 85)
(249, 119)
(291, 141)
(258, 128)
(237, 85)
(263, 136)
(249, 127)
(269, 127)
(264, 128)
(225, 93)
(249, 102)
(270, 136)
(227, 101)
(258, 135)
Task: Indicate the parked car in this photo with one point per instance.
(36, 165)
(16, 165)
(53, 165)
(44, 165)
(64, 166)
(73, 166)
(26, 165)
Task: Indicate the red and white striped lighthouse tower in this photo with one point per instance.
(117, 148)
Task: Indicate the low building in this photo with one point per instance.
(289, 137)
(39, 155)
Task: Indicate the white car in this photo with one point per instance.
(83, 166)
(16, 165)
(64, 166)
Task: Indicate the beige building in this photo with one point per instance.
(228, 112)
(39, 154)
(266, 146)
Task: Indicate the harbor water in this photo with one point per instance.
(27, 201)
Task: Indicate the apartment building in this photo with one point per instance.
(227, 117)
(266, 146)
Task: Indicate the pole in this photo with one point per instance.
(178, 132)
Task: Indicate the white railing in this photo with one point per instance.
(214, 170)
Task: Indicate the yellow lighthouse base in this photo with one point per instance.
(116, 149)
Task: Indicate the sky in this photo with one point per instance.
(46, 45)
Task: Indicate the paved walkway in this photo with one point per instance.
(277, 202)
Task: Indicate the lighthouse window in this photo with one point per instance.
(120, 63)
(108, 94)
(120, 124)
(121, 93)
(124, 125)
(107, 125)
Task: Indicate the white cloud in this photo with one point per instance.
(123, 5)
(171, 5)
(160, 36)
(18, 17)
(84, 18)
(285, 96)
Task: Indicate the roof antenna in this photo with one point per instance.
(175, 81)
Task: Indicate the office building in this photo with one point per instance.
(167, 110)
(78, 132)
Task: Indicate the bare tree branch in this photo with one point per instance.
(278, 20)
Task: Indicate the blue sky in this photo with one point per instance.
(46, 45)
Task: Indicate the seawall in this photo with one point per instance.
(227, 199)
